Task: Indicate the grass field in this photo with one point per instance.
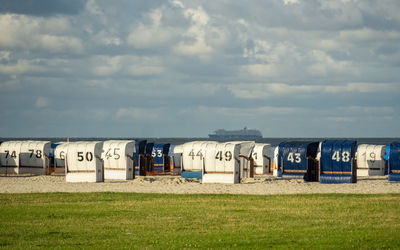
(127, 220)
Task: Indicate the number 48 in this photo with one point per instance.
(345, 156)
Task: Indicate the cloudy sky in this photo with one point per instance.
(290, 68)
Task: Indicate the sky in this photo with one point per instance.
(175, 68)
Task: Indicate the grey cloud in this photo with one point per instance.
(154, 68)
(42, 7)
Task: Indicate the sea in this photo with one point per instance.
(179, 140)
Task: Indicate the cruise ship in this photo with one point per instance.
(236, 134)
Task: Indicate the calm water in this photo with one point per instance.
(177, 141)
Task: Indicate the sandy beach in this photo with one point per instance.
(262, 185)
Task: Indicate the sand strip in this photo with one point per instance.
(171, 184)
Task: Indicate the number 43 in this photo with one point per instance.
(294, 157)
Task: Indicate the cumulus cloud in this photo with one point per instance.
(36, 33)
(154, 34)
(196, 34)
(202, 38)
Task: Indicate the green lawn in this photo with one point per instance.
(127, 220)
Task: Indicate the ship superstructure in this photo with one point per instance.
(236, 134)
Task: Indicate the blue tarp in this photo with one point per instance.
(386, 157)
(394, 162)
(337, 161)
(52, 149)
(140, 147)
(192, 174)
(51, 154)
(293, 160)
(160, 155)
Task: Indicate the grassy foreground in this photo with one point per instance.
(126, 220)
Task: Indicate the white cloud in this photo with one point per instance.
(198, 48)
(153, 35)
(140, 114)
(329, 44)
(288, 2)
(261, 70)
(355, 114)
(271, 59)
(260, 51)
(4, 56)
(344, 11)
(240, 112)
(341, 119)
(100, 114)
(105, 38)
(368, 110)
(93, 8)
(177, 3)
(364, 87)
(197, 16)
(13, 84)
(261, 90)
(148, 37)
(14, 27)
(324, 65)
(106, 65)
(67, 113)
(183, 56)
(243, 22)
(126, 65)
(146, 70)
(367, 34)
(351, 39)
(195, 41)
(61, 44)
(41, 102)
(22, 67)
(30, 33)
(143, 65)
